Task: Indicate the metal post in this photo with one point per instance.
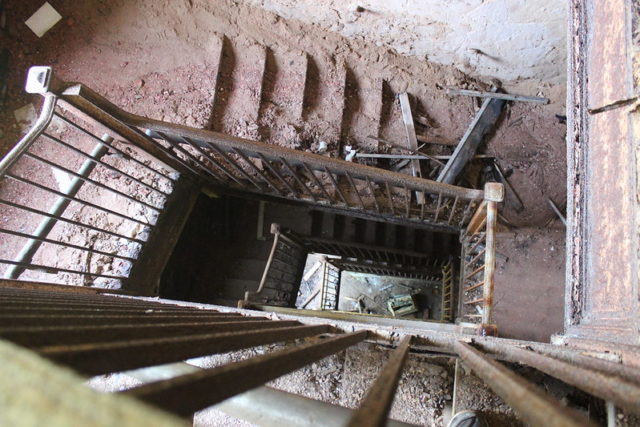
(38, 81)
(28, 251)
(494, 193)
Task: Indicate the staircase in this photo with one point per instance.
(447, 291)
(330, 290)
(289, 99)
(282, 272)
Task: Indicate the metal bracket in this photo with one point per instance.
(39, 79)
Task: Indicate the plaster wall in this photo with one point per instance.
(512, 40)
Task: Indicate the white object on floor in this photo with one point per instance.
(322, 146)
(351, 153)
(44, 18)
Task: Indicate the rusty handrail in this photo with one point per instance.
(279, 237)
(80, 91)
(479, 244)
(231, 163)
(89, 345)
(276, 239)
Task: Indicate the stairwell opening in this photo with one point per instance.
(340, 283)
(375, 268)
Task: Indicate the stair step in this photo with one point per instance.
(294, 218)
(283, 97)
(324, 100)
(381, 234)
(391, 124)
(238, 96)
(258, 249)
(339, 226)
(317, 218)
(214, 72)
(363, 108)
(360, 229)
(400, 237)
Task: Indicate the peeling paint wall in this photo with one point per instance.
(510, 40)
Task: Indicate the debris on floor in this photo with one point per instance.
(43, 20)
(401, 305)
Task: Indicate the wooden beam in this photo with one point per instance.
(412, 141)
(485, 119)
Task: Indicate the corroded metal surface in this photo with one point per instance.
(577, 138)
(224, 161)
(479, 262)
(608, 61)
(103, 357)
(104, 349)
(532, 405)
(188, 393)
(621, 392)
(377, 403)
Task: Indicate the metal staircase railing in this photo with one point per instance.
(150, 155)
(330, 290)
(447, 291)
(101, 334)
(282, 274)
(270, 171)
(261, 169)
(478, 261)
(77, 208)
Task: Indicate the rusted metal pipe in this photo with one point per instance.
(101, 358)
(188, 393)
(375, 407)
(59, 206)
(535, 408)
(34, 336)
(623, 393)
(43, 120)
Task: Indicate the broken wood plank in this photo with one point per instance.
(412, 141)
(423, 121)
(485, 119)
(557, 211)
(311, 271)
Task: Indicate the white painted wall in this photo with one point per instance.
(520, 39)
